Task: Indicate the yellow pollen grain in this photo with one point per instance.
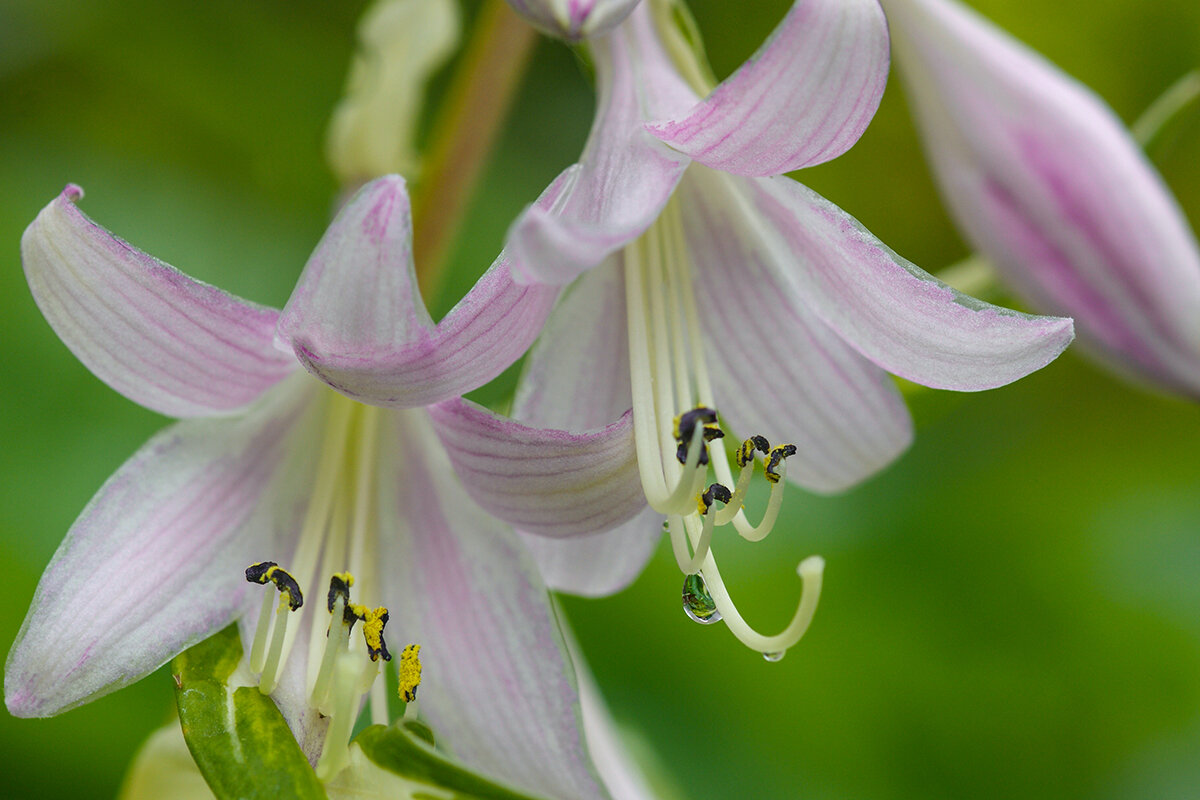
(410, 672)
(373, 630)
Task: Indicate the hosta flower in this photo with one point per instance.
(1045, 181)
(270, 465)
(574, 19)
(701, 284)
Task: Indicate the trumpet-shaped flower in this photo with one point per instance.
(705, 282)
(574, 20)
(1044, 180)
(274, 479)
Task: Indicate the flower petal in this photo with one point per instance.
(574, 20)
(156, 561)
(804, 98)
(624, 177)
(577, 374)
(170, 343)
(498, 688)
(890, 310)
(1043, 178)
(357, 322)
(597, 564)
(542, 480)
(577, 377)
(778, 370)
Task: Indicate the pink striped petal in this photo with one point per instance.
(156, 561)
(545, 481)
(1044, 179)
(597, 564)
(804, 98)
(890, 310)
(170, 343)
(499, 688)
(624, 177)
(574, 20)
(357, 322)
(777, 369)
(577, 374)
(358, 294)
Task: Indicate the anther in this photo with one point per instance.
(776, 458)
(718, 492)
(745, 454)
(339, 586)
(265, 571)
(410, 672)
(685, 427)
(373, 622)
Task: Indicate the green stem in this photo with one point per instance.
(480, 95)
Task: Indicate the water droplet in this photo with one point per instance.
(773, 657)
(697, 602)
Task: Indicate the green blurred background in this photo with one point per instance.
(1011, 610)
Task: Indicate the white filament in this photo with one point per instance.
(668, 375)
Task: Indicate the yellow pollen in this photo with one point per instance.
(373, 622)
(410, 672)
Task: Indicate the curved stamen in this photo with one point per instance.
(682, 529)
(745, 460)
(810, 570)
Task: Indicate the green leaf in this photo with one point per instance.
(405, 753)
(237, 736)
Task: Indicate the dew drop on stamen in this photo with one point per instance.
(697, 602)
(773, 657)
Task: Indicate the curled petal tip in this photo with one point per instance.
(73, 192)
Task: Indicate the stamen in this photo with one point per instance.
(778, 454)
(348, 673)
(373, 622)
(745, 460)
(685, 426)
(746, 451)
(810, 571)
(290, 599)
(410, 673)
(682, 528)
(339, 586)
(262, 632)
(715, 492)
(335, 641)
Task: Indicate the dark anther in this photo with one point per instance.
(339, 586)
(746, 451)
(257, 573)
(718, 492)
(777, 456)
(284, 582)
(685, 428)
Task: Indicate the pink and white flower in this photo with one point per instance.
(1046, 182)
(701, 278)
(268, 463)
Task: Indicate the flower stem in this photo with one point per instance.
(480, 95)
